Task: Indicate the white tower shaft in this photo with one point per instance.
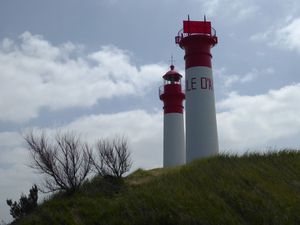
(201, 127)
(174, 143)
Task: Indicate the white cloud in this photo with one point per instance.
(251, 121)
(36, 74)
(288, 36)
(228, 80)
(238, 10)
(143, 130)
(284, 35)
(10, 139)
(211, 6)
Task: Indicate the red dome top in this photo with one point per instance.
(172, 75)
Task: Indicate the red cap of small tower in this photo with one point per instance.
(171, 92)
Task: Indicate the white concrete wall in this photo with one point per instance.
(174, 141)
(201, 125)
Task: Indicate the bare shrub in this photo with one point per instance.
(113, 157)
(65, 161)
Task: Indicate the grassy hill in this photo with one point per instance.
(252, 189)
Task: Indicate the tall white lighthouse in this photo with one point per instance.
(172, 96)
(197, 38)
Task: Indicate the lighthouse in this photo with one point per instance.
(196, 39)
(172, 96)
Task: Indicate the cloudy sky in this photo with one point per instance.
(95, 66)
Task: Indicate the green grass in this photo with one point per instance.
(252, 189)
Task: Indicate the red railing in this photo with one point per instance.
(182, 35)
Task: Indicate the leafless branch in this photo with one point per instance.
(65, 161)
(113, 157)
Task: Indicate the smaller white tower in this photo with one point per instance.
(174, 142)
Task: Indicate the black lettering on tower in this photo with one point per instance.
(203, 83)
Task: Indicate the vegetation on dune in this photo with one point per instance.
(252, 189)
(25, 205)
(66, 161)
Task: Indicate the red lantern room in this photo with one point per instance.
(171, 92)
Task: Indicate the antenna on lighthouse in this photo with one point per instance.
(172, 60)
(189, 28)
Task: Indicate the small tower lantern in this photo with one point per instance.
(172, 96)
